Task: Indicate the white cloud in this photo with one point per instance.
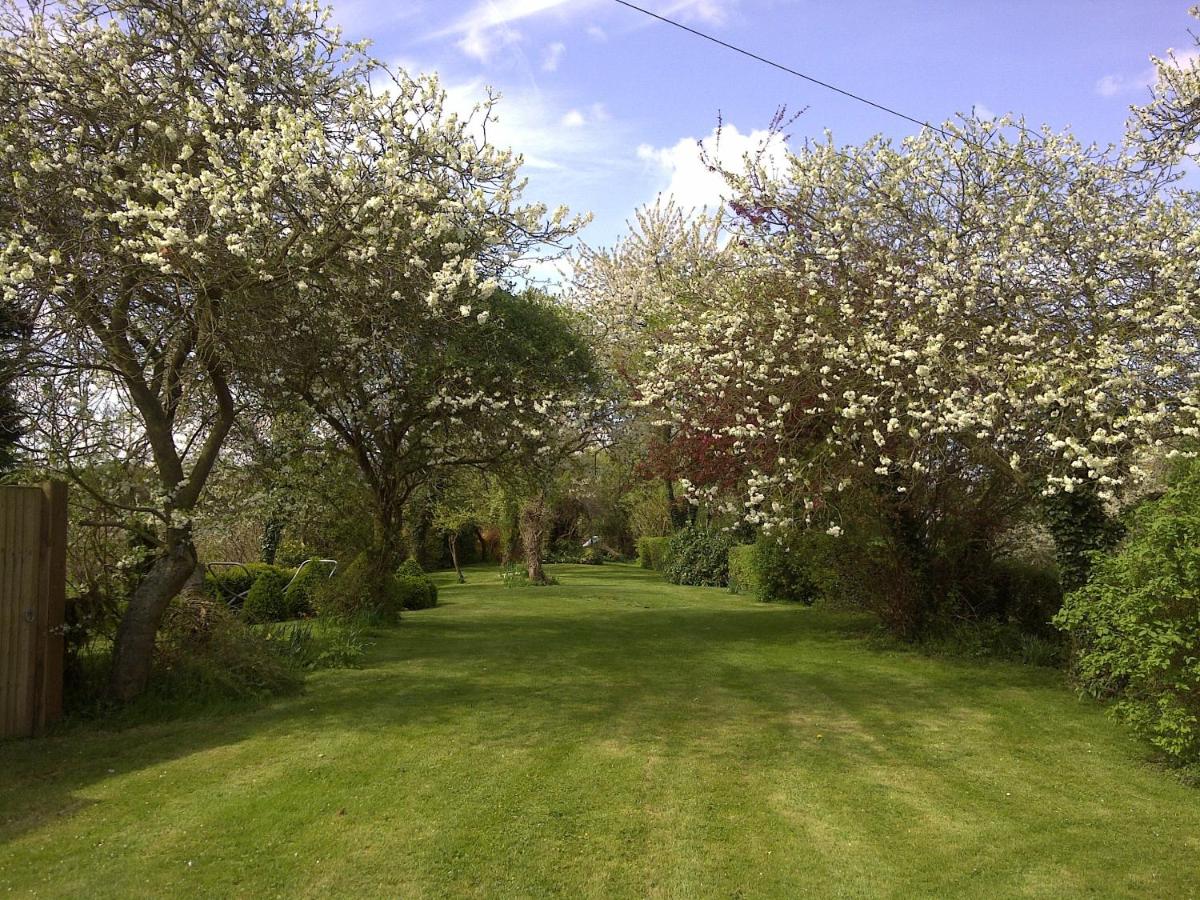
(482, 44)
(982, 112)
(1112, 85)
(552, 56)
(713, 11)
(488, 24)
(575, 118)
(596, 33)
(531, 122)
(686, 177)
(1118, 85)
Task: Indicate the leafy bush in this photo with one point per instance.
(206, 652)
(652, 552)
(696, 556)
(785, 570)
(361, 592)
(592, 556)
(743, 575)
(415, 591)
(266, 601)
(1135, 626)
(300, 592)
(231, 583)
(411, 567)
(414, 588)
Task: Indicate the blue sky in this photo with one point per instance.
(607, 105)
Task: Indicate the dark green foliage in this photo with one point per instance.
(361, 591)
(785, 570)
(1025, 595)
(697, 556)
(592, 556)
(1081, 528)
(415, 591)
(411, 567)
(798, 567)
(206, 652)
(266, 601)
(652, 552)
(743, 575)
(231, 583)
(1135, 626)
(414, 588)
(272, 535)
(300, 591)
(992, 639)
(12, 331)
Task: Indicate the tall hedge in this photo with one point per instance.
(652, 552)
(698, 556)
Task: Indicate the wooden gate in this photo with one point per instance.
(33, 554)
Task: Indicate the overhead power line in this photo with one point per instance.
(825, 84)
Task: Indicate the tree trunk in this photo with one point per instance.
(272, 532)
(533, 533)
(452, 540)
(133, 651)
(387, 551)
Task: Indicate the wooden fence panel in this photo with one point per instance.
(33, 531)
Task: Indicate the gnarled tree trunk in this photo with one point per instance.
(533, 534)
(133, 651)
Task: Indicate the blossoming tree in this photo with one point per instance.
(179, 175)
(951, 324)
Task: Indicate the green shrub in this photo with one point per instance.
(652, 552)
(743, 574)
(232, 583)
(786, 568)
(300, 592)
(696, 556)
(266, 601)
(361, 592)
(419, 595)
(411, 567)
(1135, 626)
(592, 556)
(415, 592)
(205, 652)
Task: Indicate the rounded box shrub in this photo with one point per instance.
(414, 591)
(361, 592)
(303, 587)
(266, 601)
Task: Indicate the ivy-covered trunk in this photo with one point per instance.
(533, 535)
(387, 551)
(133, 650)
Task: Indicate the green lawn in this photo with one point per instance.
(612, 736)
